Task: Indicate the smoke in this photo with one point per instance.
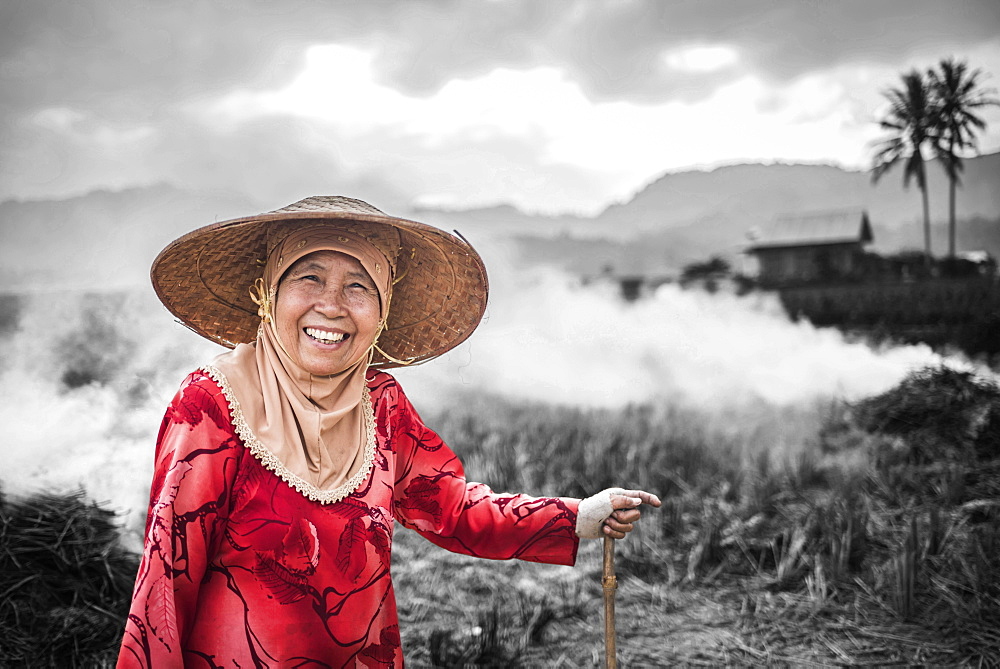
(550, 337)
(85, 379)
(86, 376)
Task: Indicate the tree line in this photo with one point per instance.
(936, 110)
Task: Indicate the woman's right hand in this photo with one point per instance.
(612, 512)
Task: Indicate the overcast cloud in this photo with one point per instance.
(548, 105)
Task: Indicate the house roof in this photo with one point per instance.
(849, 226)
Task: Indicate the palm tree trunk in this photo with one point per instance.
(952, 187)
(927, 225)
(951, 216)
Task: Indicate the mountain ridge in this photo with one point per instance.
(677, 218)
(682, 217)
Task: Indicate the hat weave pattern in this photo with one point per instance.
(438, 299)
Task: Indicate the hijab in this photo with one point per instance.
(315, 432)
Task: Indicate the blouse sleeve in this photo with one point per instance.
(433, 497)
(194, 470)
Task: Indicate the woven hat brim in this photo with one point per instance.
(440, 296)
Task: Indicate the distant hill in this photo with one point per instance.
(109, 238)
(758, 193)
(688, 216)
(101, 239)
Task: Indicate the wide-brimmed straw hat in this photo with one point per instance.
(438, 299)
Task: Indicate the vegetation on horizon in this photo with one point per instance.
(960, 314)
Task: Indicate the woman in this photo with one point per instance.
(281, 467)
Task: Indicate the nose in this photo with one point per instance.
(331, 302)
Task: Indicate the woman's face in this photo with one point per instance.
(326, 313)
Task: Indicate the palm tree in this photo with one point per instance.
(956, 95)
(910, 120)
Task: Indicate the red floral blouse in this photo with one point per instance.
(242, 570)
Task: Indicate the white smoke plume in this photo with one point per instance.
(86, 377)
(550, 337)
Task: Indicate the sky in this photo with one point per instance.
(552, 106)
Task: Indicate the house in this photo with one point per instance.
(816, 247)
(630, 286)
(976, 262)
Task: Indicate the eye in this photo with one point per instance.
(299, 278)
(361, 285)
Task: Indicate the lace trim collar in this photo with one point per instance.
(275, 465)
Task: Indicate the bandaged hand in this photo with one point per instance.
(612, 512)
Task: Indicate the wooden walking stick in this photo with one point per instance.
(610, 582)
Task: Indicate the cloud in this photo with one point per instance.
(701, 58)
(615, 50)
(130, 56)
(103, 53)
(579, 101)
(515, 135)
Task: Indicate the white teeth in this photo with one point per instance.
(325, 337)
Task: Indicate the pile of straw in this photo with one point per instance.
(65, 582)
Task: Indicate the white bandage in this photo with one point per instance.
(593, 512)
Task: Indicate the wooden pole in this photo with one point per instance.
(610, 582)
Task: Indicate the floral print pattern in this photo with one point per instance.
(241, 570)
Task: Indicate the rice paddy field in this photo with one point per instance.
(826, 503)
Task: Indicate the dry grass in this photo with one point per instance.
(880, 547)
(65, 583)
(876, 543)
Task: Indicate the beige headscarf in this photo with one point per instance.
(315, 432)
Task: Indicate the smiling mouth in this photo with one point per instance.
(324, 337)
